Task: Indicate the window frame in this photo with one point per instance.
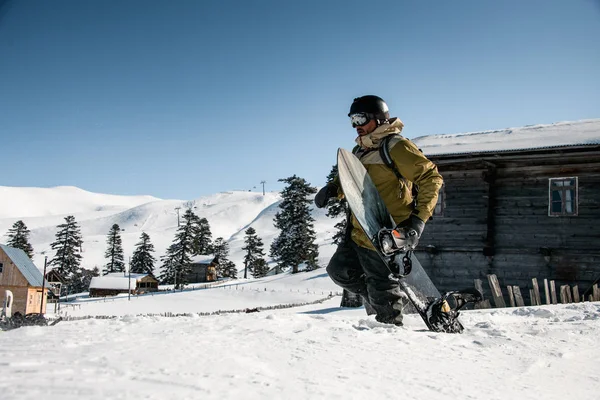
(441, 202)
(563, 189)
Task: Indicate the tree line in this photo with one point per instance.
(294, 249)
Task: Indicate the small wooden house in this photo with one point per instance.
(20, 275)
(519, 203)
(118, 282)
(203, 269)
(56, 281)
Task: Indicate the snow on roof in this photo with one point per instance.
(115, 280)
(24, 264)
(560, 134)
(203, 259)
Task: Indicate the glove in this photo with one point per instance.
(328, 191)
(411, 230)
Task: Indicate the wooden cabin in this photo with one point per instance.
(519, 203)
(117, 282)
(203, 269)
(56, 281)
(20, 275)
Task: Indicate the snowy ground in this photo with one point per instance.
(315, 351)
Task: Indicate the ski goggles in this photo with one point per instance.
(359, 119)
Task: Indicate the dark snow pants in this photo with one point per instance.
(362, 271)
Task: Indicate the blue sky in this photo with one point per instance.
(180, 99)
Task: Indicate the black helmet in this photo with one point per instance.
(374, 106)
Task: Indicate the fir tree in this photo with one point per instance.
(254, 251)
(295, 244)
(177, 260)
(18, 237)
(67, 245)
(142, 261)
(80, 281)
(260, 268)
(337, 207)
(114, 251)
(225, 267)
(203, 237)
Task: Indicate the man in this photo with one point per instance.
(356, 266)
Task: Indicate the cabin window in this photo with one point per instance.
(441, 200)
(1, 266)
(563, 196)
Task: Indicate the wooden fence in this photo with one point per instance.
(566, 294)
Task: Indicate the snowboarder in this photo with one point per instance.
(356, 266)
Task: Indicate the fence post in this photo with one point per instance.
(518, 297)
(547, 292)
(511, 297)
(536, 291)
(496, 291)
(553, 292)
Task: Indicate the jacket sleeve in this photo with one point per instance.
(418, 169)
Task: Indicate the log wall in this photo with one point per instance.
(496, 221)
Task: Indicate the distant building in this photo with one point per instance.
(117, 282)
(55, 280)
(519, 203)
(20, 275)
(203, 269)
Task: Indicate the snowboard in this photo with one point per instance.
(440, 313)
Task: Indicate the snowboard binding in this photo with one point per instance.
(442, 313)
(391, 242)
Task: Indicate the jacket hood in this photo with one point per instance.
(372, 140)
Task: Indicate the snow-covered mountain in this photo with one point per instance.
(229, 215)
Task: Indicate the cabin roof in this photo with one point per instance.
(203, 259)
(24, 264)
(534, 137)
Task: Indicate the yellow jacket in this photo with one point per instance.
(414, 167)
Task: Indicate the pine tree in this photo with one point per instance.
(114, 251)
(142, 261)
(18, 237)
(67, 245)
(295, 244)
(80, 281)
(260, 268)
(203, 238)
(177, 260)
(335, 208)
(254, 251)
(225, 267)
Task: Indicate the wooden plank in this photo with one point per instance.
(532, 300)
(553, 292)
(563, 294)
(568, 292)
(479, 286)
(496, 291)
(547, 292)
(511, 297)
(536, 291)
(596, 292)
(481, 304)
(576, 294)
(518, 297)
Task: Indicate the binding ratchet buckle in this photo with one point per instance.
(392, 242)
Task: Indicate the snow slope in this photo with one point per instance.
(43, 209)
(317, 351)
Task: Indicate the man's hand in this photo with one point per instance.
(328, 191)
(411, 230)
